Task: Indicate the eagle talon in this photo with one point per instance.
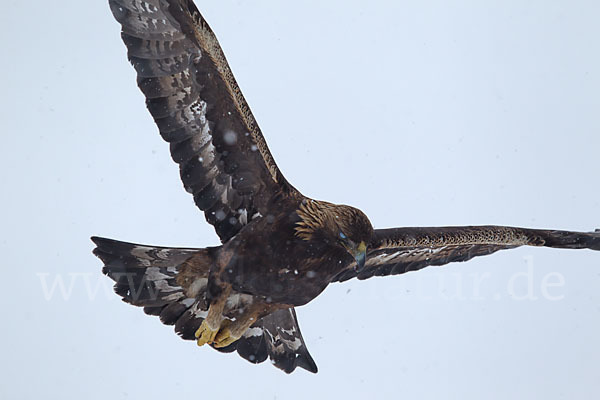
(205, 334)
(224, 338)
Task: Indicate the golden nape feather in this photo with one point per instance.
(331, 219)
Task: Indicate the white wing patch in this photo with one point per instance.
(253, 332)
(199, 285)
(403, 255)
(278, 344)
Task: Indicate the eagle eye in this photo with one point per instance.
(342, 236)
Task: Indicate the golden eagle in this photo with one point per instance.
(279, 248)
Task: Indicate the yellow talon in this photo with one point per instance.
(224, 338)
(205, 334)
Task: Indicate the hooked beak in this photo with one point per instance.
(360, 255)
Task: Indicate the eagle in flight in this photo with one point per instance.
(280, 249)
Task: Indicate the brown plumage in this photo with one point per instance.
(279, 248)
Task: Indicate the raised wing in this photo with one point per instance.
(200, 110)
(400, 250)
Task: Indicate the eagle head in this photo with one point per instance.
(336, 225)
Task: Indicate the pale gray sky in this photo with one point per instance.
(420, 113)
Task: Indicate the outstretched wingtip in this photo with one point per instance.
(573, 240)
(594, 240)
(100, 241)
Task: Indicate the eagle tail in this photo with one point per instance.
(146, 276)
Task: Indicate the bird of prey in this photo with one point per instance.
(280, 249)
